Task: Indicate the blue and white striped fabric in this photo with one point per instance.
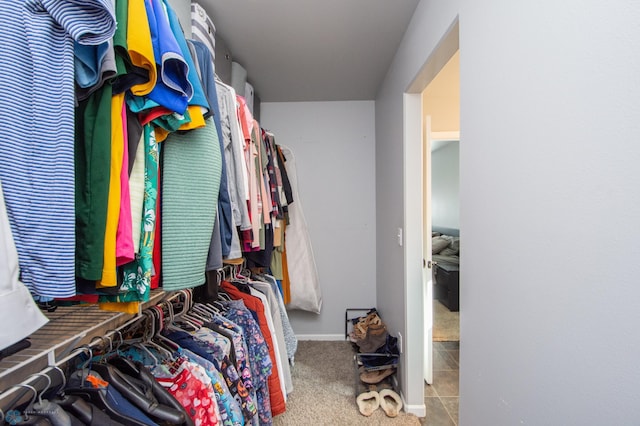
(202, 28)
(37, 132)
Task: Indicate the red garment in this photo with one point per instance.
(150, 115)
(276, 396)
(194, 396)
(87, 298)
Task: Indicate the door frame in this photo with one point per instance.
(413, 209)
(427, 267)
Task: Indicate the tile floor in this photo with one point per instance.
(441, 398)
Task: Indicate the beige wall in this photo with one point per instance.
(441, 98)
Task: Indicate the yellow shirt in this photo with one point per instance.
(109, 277)
(139, 45)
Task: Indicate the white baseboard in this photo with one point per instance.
(327, 337)
(419, 410)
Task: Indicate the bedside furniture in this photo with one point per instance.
(446, 287)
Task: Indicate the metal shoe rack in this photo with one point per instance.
(353, 314)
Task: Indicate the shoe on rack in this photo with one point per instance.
(361, 324)
(376, 338)
(368, 400)
(390, 402)
(376, 376)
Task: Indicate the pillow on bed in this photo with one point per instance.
(438, 244)
(452, 248)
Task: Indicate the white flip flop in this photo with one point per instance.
(368, 402)
(390, 402)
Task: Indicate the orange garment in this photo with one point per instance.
(276, 396)
(126, 307)
(197, 118)
(286, 284)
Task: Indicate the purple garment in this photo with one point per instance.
(258, 351)
(228, 370)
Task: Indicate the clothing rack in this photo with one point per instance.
(70, 332)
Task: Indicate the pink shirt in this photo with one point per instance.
(124, 235)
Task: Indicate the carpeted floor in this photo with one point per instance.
(324, 389)
(446, 324)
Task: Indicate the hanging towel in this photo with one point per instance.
(191, 182)
(303, 274)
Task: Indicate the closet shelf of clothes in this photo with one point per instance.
(218, 351)
(68, 328)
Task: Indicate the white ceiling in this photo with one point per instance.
(312, 50)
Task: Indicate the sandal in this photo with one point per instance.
(390, 402)
(368, 401)
(376, 376)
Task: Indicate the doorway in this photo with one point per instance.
(441, 177)
(441, 236)
(417, 248)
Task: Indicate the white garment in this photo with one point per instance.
(234, 155)
(277, 348)
(248, 96)
(238, 78)
(202, 28)
(19, 314)
(303, 273)
(265, 288)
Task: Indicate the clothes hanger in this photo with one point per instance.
(197, 314)
(49, 409)
(28, 415)
(153, 318)
(84, 366)
(209, 307)
(203, 312)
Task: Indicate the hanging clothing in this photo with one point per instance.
(224, 223)
(136, 283)
(94, 66)
(36, 51)
(109, 278)
(234, 155)
(16, 304)
(173, 89)
(276, 393)
(305, 289)
(137, 66)
(291, 341)
(202, 28)
(124, 240)
(92, 173)
(191, 183)
(259, 354)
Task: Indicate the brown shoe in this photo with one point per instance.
(376, 376)
(376, 338)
